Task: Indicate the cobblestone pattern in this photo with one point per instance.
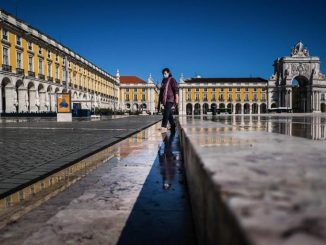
(29, 150)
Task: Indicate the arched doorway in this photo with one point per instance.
(263, 108)
(238, 108)
(197, 109)
(205, 108)
(214, 108)
(4, 83)
(255, 108)
(143, 107)
(274, 105)
(246, 108)
(128, 106)
(300, 94)
(323, 107)
(189, 109)
(222, 106)
(230, 106)
(19, 98)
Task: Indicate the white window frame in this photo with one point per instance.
(40, 66)
(56, 72)
(20, 40)
(8, 56)
(30, 45)
(49, 69)
(30, 65)
(4, 31)
(20, 64)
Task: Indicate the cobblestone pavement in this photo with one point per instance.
(136, 197)
(33, 149)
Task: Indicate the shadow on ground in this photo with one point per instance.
(162, 214)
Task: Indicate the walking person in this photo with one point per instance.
(169, 96)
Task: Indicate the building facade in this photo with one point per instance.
(138, 95)
(241, 95)
(34, 68)
(297, 82)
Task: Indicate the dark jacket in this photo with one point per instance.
(173, 89)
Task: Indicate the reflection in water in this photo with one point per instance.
(167, 159)
(310, 127)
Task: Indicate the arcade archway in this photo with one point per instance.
(300, 85)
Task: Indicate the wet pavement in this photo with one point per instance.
(133, 192)
(32, 148)
(264, 175)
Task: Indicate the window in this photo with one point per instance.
(189, 97)
(135, 96)
(5, 56)
(230, 89)
(49, 54)
(221, 96)
(56, 58)
(39, 50)
(247, 97)
(322, 96)
(197, 97)
(143, 97)
(189, 90)
(64, 74)
(40, 66)
(127, 89)
(63, 61)
(143, 90)
(255, 89)
(229, 97)
(4, 34)
(263, 96)
(205, 97)
(205, 89)
(19, 60)
(197, 89)
(247, 89)
(57, 72)
(30, 46)
(214, 89)
(49, 69)
(255, 96)
(30, 63)
(127, 97)
(18, 40)
(222, 89)
(238, 97)
(238, 89)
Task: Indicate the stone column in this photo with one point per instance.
(22, 105)
(250, 108)
(258, 109)
(242, 108)
(1, 99)
(10, 99)
(43, 107)
(32, 100)
(290, 98)
(234, 108)
(52, 99)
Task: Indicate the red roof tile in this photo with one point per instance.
(131, 79)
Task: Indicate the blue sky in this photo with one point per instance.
(210, 38)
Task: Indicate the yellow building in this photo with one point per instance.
(35, 67)
(234, 95)
(138, 95)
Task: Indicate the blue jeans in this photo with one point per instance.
(167, 115)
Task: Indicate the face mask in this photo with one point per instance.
(166, 75)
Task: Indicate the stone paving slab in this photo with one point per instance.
(254, 187)
(121, 202)
(32, 150)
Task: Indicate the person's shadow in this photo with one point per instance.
(166, 159)
(162, 215)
